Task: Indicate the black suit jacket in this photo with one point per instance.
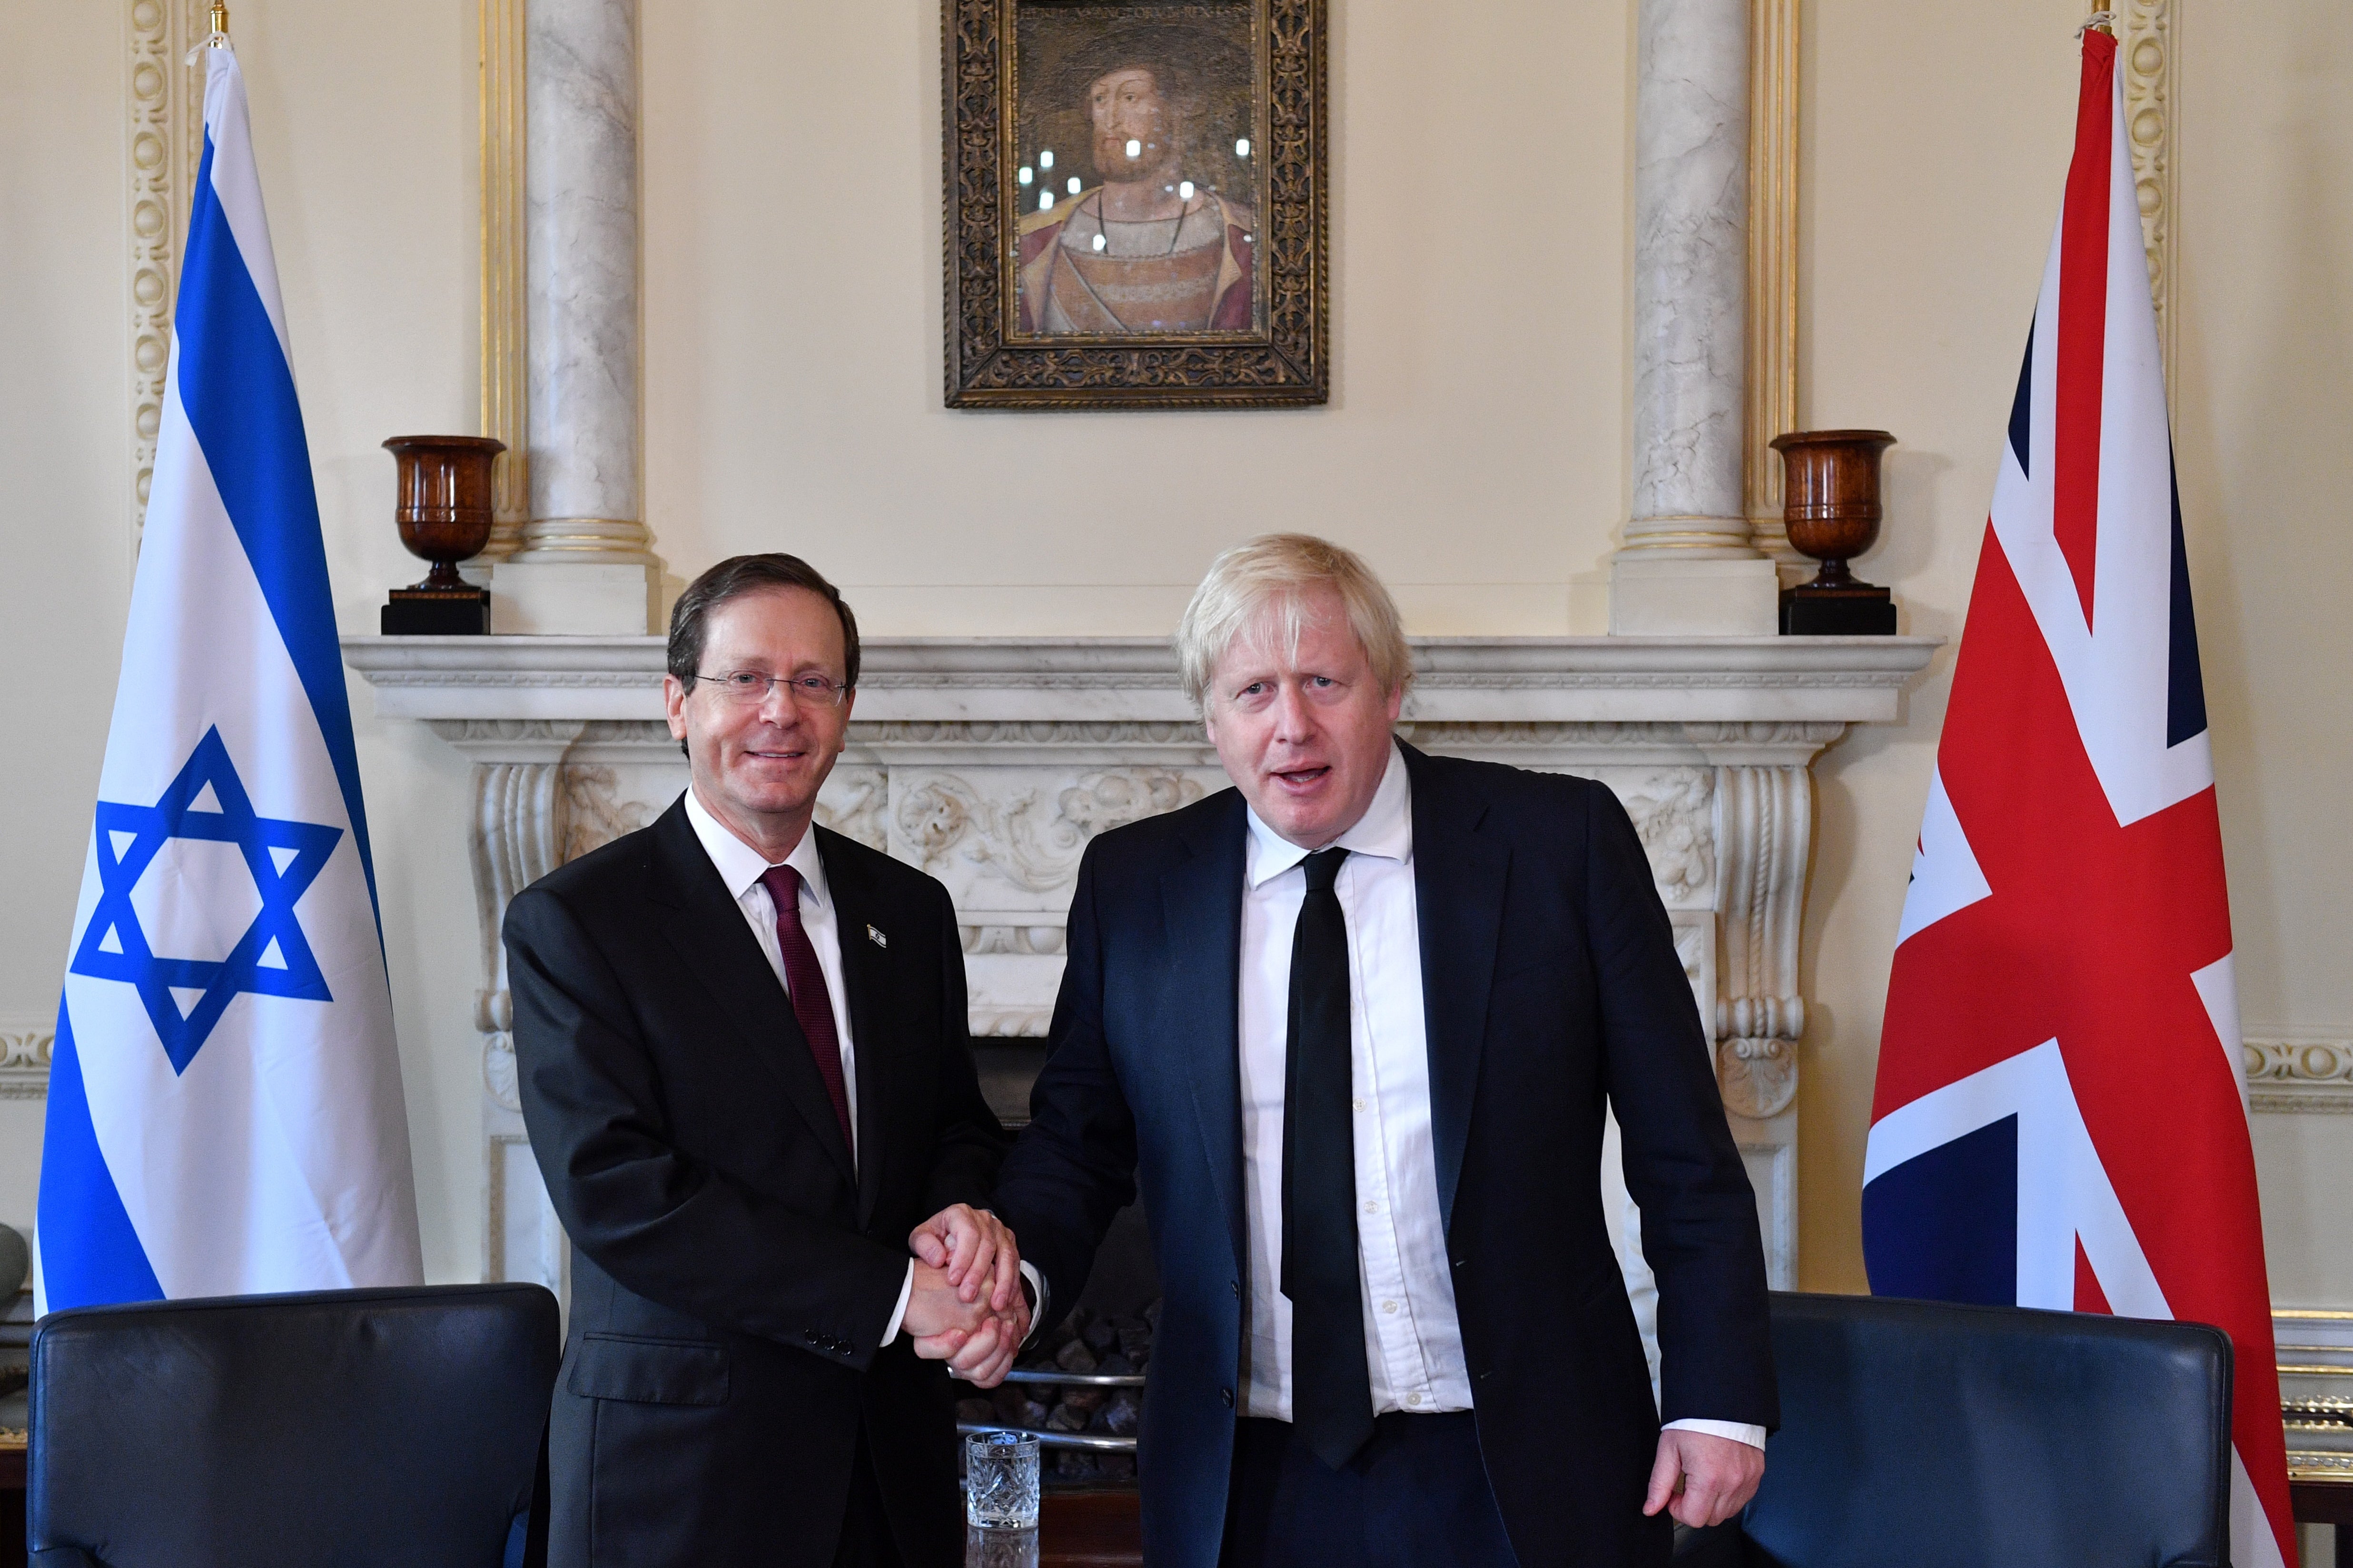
(1552, 987)
(730, 1275)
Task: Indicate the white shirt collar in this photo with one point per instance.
(1385, 830)
(740, 866)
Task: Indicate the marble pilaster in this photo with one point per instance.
(586, 563)
(1686, 565)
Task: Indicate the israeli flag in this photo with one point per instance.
(224, 1112)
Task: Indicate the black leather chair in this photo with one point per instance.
(1933, 1436)
(338, 1427)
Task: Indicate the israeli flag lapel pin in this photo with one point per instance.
(877, 938)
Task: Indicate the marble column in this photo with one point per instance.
(586, 563)
(1686, 566)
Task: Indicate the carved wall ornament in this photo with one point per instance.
(165, 143)
(1014, 835)
(25, 1050)
(1759, 1078)
(2146, 50)
(2305, 1075)
(1010, 1022)
(1673, 812)
(1028, 941)
(853, 803)
(499, 1072)
(593, 817)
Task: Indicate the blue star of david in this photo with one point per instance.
(129, 959)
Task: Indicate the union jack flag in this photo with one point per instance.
(2061, 1118)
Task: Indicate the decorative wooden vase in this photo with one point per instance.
(1831, 505)
(442, 505)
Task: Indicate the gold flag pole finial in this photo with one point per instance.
(219, 36)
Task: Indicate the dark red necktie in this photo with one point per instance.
(812, 1004)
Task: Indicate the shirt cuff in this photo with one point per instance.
(1738, 1431)
(1037, 1283)
(899, 1312)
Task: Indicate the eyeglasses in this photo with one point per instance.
(749, 687)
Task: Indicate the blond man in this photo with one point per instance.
(1351, 1027)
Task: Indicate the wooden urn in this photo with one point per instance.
(1832, 506)
(441, 505)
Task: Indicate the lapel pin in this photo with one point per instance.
(877, 938)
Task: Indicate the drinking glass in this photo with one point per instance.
(1000, 1480)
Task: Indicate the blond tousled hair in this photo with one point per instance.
(1262, 586)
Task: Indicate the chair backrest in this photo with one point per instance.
(343, 1427)
(1948, 1436)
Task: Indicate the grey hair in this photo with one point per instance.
(1266, 581)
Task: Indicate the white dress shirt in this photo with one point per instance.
(1413, 1338)
(741, 867)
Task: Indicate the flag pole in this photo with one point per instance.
(218, 38)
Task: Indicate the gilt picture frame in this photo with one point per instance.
(1137, 204)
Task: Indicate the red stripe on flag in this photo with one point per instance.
(2083, 319)
(2089, 1297)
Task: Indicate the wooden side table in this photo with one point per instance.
(1091, 1528)
(12, 1505)
(2326, 1502)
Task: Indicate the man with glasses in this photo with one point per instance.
(746, 1075)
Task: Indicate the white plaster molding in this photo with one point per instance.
(2148, 51)
(24, 1051)
(2300, 1075)
(165, 96)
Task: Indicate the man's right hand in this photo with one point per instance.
(979, 1344)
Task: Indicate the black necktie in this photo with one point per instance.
(1330, 1391)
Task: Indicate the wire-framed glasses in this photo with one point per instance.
(749, 687)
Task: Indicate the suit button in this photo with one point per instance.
(809, 1334)
(1227, 1396)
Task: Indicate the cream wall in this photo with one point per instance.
(1474, 448)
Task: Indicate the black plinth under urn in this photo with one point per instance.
(1831, 505)
(442, 505)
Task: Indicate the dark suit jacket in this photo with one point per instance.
(1552, 987)
(730, 1277)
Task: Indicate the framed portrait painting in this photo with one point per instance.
(1136, 204)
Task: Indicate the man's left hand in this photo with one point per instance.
(1706, 1479)
(979, 1253)
(976, 1248)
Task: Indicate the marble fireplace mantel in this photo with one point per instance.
(990, 762)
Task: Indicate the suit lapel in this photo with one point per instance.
(707, 929)
(1459, 874)
(1201, 900)
(874, 1043)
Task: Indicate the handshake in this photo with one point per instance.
(967, 1306)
